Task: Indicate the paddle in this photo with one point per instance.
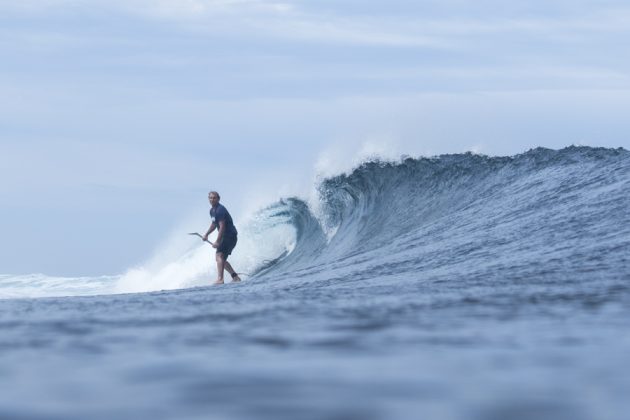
(201, 237)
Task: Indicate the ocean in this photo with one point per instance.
(454, 287)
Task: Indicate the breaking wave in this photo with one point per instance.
(541, 216)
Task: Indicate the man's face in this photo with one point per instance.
(213, 199)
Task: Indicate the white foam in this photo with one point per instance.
(184, 261)
(335, 160)
(41, 285)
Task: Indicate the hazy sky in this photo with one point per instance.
(118, 116)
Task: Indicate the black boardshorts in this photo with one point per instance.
(227, 245)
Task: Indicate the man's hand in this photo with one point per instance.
(214, 245)
(205, 237)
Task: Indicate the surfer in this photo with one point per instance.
(226, 238)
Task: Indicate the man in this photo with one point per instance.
(226, 239)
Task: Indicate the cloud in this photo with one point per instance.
(192, 9)
(292, 21)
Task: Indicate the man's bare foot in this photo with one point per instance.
(236, 279)
(218, 282)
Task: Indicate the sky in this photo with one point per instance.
(119, 116)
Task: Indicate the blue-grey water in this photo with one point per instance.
(456, 287)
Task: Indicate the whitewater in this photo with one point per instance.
(454, 287)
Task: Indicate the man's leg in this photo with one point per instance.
(230, 244)
(230, 270)
(220, 267)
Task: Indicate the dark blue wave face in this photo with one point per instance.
(542, 216)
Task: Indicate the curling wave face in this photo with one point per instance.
(542, 216)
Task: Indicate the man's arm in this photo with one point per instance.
(210, 230)
(220, 235)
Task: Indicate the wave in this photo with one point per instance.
(541, 216)
(564, 212)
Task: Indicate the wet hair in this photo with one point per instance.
(216, 193)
